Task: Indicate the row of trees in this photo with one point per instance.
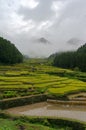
(72, 59)
(9, 54)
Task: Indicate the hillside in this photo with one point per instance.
(82, 49)
(72, 59)
(9, 54)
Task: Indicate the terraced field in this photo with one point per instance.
(36, 76)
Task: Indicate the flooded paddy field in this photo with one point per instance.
(45, 109)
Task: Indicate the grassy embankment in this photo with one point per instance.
(8, 122)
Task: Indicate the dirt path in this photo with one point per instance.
(51, 110)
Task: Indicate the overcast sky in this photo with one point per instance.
(58, 21)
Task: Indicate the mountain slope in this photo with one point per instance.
(9, 54)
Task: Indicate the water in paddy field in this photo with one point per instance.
(51, 110)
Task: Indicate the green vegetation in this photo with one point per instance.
(35, 76)
(35, 80)
(71, 60)
(8, 122)
(9, 54)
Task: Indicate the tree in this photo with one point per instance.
(9, 54)
(72, 59)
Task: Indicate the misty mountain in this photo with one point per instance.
(74, 41)
(42, 40)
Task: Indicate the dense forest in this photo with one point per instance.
(9, 54)
(76, 59)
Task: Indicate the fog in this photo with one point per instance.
(61, 22)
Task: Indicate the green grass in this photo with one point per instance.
(7, 124)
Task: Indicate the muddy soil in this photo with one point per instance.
(51, 110)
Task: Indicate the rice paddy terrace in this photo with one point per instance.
(37, 77)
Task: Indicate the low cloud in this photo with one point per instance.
(56, 20)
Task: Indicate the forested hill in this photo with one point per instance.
(82, 49)
(9, 54)
(76, 59)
